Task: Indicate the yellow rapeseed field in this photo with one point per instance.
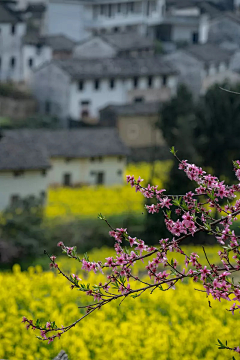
(114, 200)
(177, 324)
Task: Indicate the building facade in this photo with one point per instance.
(79, 88)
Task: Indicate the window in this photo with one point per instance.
(100, 158)
(109, 10)
(100, 178)
(13, 29)
(116, 29)
(112, 83)
(135, 82)
(14, 199)
(43, 194)
(130, 7)
(96, 84)
(30, 62)
(44, 172)
(18, 173)
(67, 179)
(80, 85)
(92, 159)
(119, 172)
(139, 99)
(12, 62)
(67, 160)
(164, 80)
(102, 9)
(120, 158)
(150, 81)
(119, 8)
(84, 108)
(195, 38)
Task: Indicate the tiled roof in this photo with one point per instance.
(56, 42)
(115, 67)
(129, 41)
(209, 53)
(7, 15)
(138, 108)
(32, 149)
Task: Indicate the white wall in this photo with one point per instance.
(97, 98)
(66, 18)
(81, 170)
(11, 47)
(30, 183)
(39, 57)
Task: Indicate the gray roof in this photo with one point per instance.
(16, 154)
(31, 149)
(128, 41)
(209, 53)
(7, 15)
(138, 108)
(115, 67)
(56, 42)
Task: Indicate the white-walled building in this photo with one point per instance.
(12, 30)
(32, 160)
(78, 88)
(201, 66)
(80, 18)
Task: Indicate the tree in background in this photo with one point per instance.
(177, 122)
(217, 131)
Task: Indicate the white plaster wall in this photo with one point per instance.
(97, 98)
(39, 58)
(183, 33)
(94, 48)
(81, 170)
(11, 46)
(203, 31)
(30, 183)
(219, 78)
(66, 18)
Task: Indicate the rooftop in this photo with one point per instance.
(56, 42)
(128, 41)
(209, 53)
(7, 15)
(115, 67)
(139, 108)
(31, 149)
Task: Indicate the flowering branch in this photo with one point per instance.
(184, 216)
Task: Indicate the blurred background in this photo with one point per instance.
(90, 91)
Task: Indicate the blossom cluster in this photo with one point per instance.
(185, 216)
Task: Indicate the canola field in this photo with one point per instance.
(115, 200)
(177, 324)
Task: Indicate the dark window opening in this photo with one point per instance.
(119, 8)
(100, 178)
(164, 80)
(30, 62)
(96, 84)
(195, 38)
(116, 29)
(67, 179)
(13, 29)
(112, 83)
(100, 158)
(85, 113)
(120, 158)
(150, 81)
(119, 172)
(135, 82)
(109, 10)
(18, 173)
(80, 85)
(14, 199)
(43, 194)
(92, 159)
(44, 172)
(139, 100)
(102, 9)
(12, 62)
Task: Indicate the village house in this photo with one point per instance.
(187, 21)
(79, 88)
(12, 29)
(201, 66)
(79, 19)
(40, 49)
(32, 160)
(116, 44)
(136, 123)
